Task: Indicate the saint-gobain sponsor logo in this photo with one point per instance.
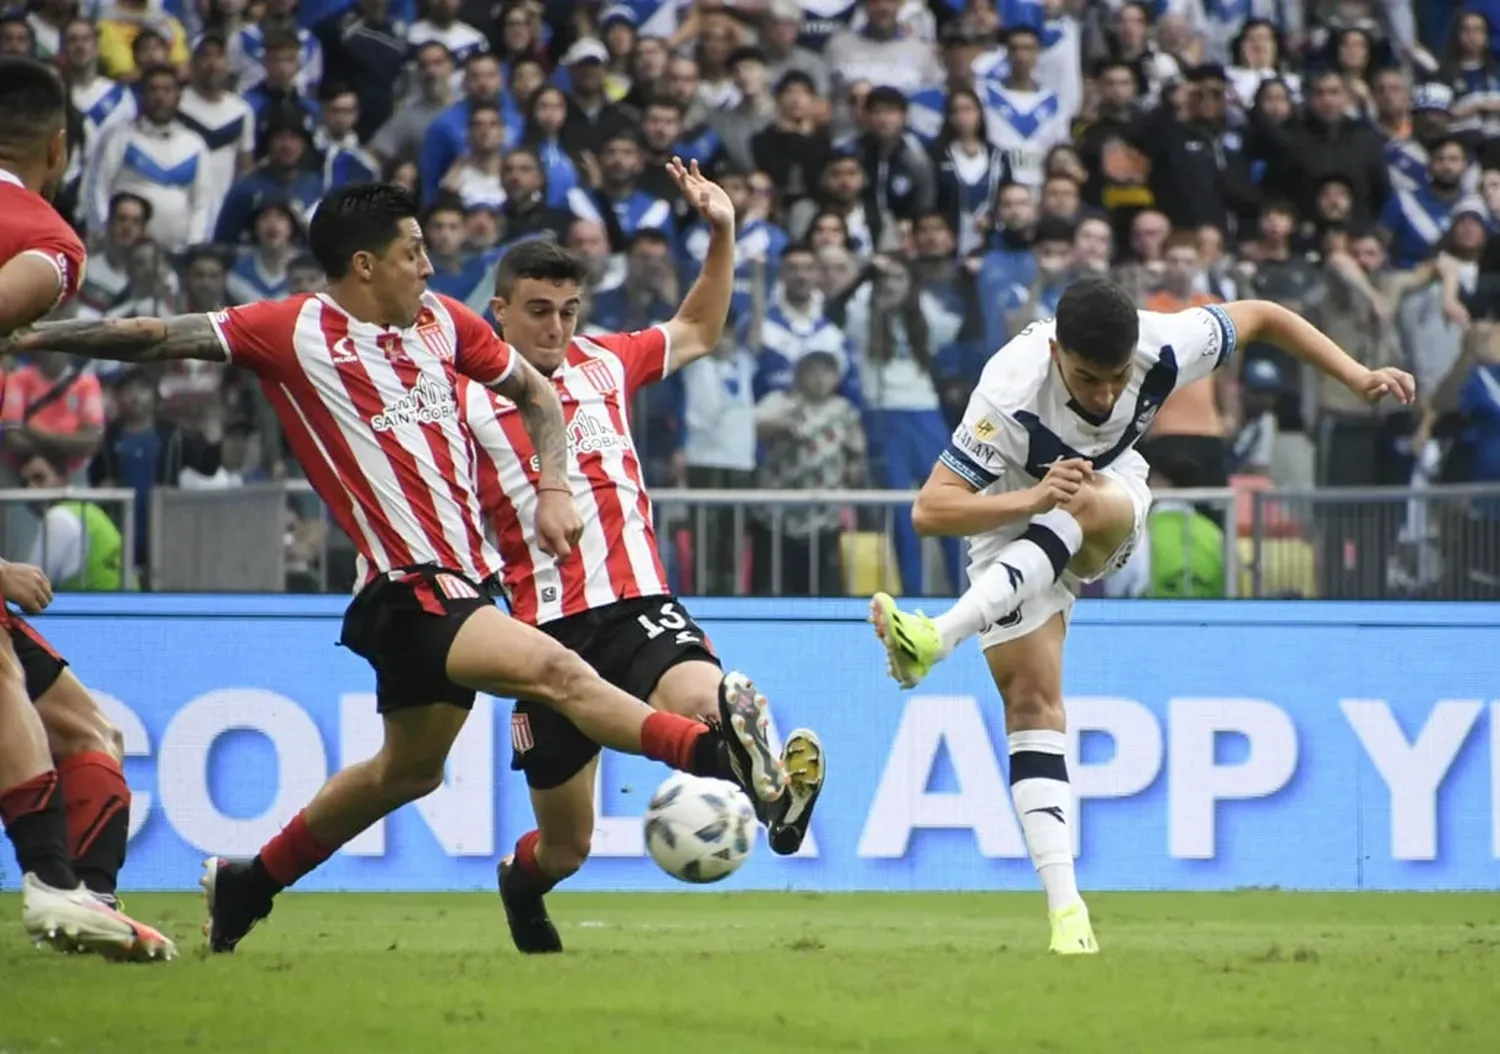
(428, 402)
(586, 435)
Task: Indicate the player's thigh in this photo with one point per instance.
(23, 742)
(495, 653)
(565, 816)
(73, 720)
(689, 688)
(1110, 511)
(1027, 670)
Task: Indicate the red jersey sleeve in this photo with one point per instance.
(479, 353)
(32, 226)
(259, 337)
(645, 354)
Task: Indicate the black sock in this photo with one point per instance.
(260, 880)
(38, 828)
(98, 866)
(711, 758)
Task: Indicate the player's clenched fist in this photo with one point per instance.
(558, 527)
(1063, 480)
(25, 586)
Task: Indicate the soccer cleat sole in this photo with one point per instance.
(140, 945)
(806, 767)
(889, 637)
(745, 715)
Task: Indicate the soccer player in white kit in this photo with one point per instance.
(1043, 478)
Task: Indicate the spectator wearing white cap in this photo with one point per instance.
(247, 49)
(596, 117)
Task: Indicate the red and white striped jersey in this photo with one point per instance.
(371, 413)
(616, 559)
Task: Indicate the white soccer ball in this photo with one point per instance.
(699, 830)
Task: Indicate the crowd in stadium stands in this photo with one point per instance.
(916, 182)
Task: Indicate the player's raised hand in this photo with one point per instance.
(558, 527)
(702, 193)
(1062, 482)
(1375, 385)
(26, 586)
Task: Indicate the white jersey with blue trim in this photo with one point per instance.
(1021, 417)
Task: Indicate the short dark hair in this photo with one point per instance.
(483, 106)
(1098, 322)
(33, 106)
(151, 73)
(539, 260)
(1054, 229)
(281, 40)
(125, 197)
(58, 466)
(794, 77)
(665, 102)
(360, 218)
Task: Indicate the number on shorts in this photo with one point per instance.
(670, 618)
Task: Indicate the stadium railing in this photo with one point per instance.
(22, 513)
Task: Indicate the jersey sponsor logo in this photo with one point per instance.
(587, 435)
(428, 403)
(520, 733)
(456, 588)
(344, 353)
(597, 374)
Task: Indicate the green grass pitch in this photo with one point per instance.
(796, 972)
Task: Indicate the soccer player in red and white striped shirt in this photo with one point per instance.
(608, 600)
(363, 380)
(41, 266)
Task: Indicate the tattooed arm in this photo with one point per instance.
(126, 339)
(558, 526)
(541, 416)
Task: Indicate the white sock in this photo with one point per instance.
(1044, 805)
(1022, 569)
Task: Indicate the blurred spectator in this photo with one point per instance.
(402, 136)
(1009, 266)
(47, 20)
(262, 272)
(1053, 253)
(282, 177)
(1414, 220)
(595, 117)
(896, 332)
(140, 450)
(100, 100)
(344, 159)
(280, 93)
(526, 212)
(123, 22)
(970, 171)
(1254, 444)
(79, 546)
(566, 163)
(247, 48)
(719, 452)
(475, 176)
(1200, 175)
(881, 53)
(456, 272)
(796, 326)
(366, 48)
(794, 148)
(105, 279)
(52, 407)
(223, 119)
(448, 133)
(1327, 142)
(753, 111)
(899, 181)
(619, 204)
(1028, 120)
(158, 158)
(1186, 439)
(780, 40)
(150, 290)
(442, 25)
(813, 441)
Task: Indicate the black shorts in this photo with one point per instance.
(630, 643)
(403, 624)
(40, 662)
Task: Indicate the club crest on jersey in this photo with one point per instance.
(984, 428)
(598, 375)
(436, 338)
(520, 733)
(456, 588)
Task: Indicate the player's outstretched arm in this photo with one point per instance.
(558, 526)
(126, 339)
(1263, 320)
(698, 326)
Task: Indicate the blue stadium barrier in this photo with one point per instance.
(1217, 745)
